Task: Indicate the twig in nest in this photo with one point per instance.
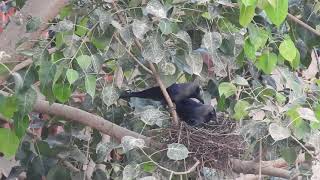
(214, 145)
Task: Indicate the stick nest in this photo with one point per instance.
(213, 144)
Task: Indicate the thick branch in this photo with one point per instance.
(77, 115)
(86, 118)
(250, 167)
(107, 127)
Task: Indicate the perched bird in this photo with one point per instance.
(185, 97)
(195, 113)
(177, 92)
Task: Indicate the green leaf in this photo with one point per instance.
(246, 14)
(100, 41)
(296, 61)
(249, 2)
(72, 75)
(44, 149)
(227, 89)
(65, 11)
(57, 56)
(249, 49)
(59, 70)
(307, 114)
(84, 61)
(281, 99)
(241, 81)
(21, 124)
(46, 74)
(149, 167)
(258, 36)
(8, 106)
(267, 62)
(315, 125)
(62, 92)
(25, 100)
(288, 50)
(9, 142)
(207, 15)
(90, 83)
(301, 130)
(294, 116)
(165, 26)
(273, 3)
(317, 111)
(240, 109)
(289, 155)
(81, 28)
(20, 3)
(59, 39)
(278, 13)
(33, 24)
(226, 26)
(221, 103)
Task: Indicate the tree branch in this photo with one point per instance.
(250, 167)
(303, 24)
(107, 127)
(86, 118)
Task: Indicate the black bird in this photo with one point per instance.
(188, 109)
(195, 113)
(177, 92)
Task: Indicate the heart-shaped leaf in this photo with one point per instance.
(277, 11)
(227, 89)
(287, 49)
(278, 132)
(90, 84)
(246, 14)
(84, 61)
(72, 75)
(62, 92)
(267, 62)
(177, 151)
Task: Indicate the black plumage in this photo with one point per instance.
(177, 92)
(183, 95)
(195, 113)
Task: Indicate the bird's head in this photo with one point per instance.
(211, 115)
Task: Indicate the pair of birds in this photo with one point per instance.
(184, 95)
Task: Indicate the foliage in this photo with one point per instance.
(261, 69)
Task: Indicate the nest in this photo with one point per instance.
(212, 144)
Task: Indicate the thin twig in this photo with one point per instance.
(303, 24)
(290, 16)
(165, 94)
(154, 72)
(133, 56)
(191, 169)
(260, 160)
